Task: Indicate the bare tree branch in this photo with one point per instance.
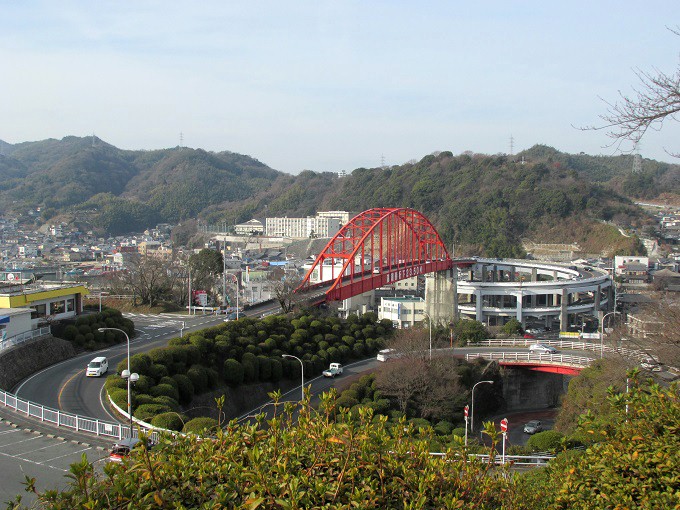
(654, 101)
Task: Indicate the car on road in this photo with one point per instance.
(542, 349)
(385, 354)
(530, 336)
(121, 449)
(97, 367)
(334, 370)
(650, 364)
(533, 426)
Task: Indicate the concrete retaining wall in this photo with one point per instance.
(18, 362)
(529, 389)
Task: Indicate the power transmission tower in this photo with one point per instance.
(512, 145)
(382, 161)
(637, 160)
(181, 140)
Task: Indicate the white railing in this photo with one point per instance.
(537, 460)
(22, 337)
(562, 344)
(528, 357)
(61, 419)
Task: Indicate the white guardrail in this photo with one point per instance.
(561, 344)
(521, 357)
(6, 343)
(72, 421)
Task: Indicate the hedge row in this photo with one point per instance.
(84, 331)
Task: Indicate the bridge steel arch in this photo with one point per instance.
(375, 248)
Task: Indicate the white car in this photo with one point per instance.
(97, 367)
(385, 354)
(542, 349)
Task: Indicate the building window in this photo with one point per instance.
(39, 311)
(57, 307)
(70, 305)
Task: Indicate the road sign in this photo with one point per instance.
(504, 425)
(466, 409)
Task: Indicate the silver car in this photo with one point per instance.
(533, 426)
(542, 348)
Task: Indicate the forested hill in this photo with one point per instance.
(486, 204)
(489, 203)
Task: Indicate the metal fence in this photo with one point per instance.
(524, 357)
(23, 337)
(59, 418)
(563, 344)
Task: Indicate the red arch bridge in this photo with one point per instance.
(373, 249)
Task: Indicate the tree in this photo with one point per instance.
(150, 279)
(656, 99)
(284, 291)
(205, 267)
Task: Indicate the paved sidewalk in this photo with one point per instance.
(30, 424)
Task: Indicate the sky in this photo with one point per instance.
(331, 85)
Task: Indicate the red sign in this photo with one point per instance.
(504, 425)
(466, 409)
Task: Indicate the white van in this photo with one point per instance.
(96, 367)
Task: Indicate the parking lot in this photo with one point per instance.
(30, 454)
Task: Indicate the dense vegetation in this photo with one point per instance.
(485, 204)
(84, 331)
(241, 352)
(335, 458)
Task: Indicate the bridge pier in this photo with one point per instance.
(441, 296)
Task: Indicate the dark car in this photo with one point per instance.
(533, 426)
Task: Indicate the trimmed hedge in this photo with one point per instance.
(201, 426)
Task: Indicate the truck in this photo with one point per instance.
(333, 370)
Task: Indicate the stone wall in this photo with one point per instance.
(20, 361)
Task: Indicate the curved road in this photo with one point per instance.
(64, 386)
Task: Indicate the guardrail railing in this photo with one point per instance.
(561, 344)
(71, 421)
(23, 337)
(527, 357)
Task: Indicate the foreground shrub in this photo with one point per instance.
(203, 426)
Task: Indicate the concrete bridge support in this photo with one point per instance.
(441, 296)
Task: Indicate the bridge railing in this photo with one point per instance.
(538, 460)
(528, 357)
(561, 344)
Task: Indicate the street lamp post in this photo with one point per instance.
(602, 332)
(302, 371)
(236, 282)
(472, 407)
(131, 378)
(429, 321)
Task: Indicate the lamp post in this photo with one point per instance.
(131, 378)
(302, 371)
(100, 300)
(429, 320)
(472, 407)
(236, 282)
(602, 332)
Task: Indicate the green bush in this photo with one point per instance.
(144, 398)
(115, 381)
(199, 378)
(167, 401)
(443, 428)
(169, 421)
(458, 431)
(170, 381)
(165, 390)
(158, 372)
(185, 388)
(70, 332)
(200, 426)
(146, 412)
(119, 397)
(233, 372)
(546, 441)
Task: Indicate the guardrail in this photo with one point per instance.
(67, 420)
(562, 344)
(538, 460)
(23, 337)
(527, 357)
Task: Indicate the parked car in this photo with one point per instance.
(542, 348)
(97, 367)
(533, 426)
(121, 450)
(530, 336)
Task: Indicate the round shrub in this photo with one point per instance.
(458, 431)
(158, 372)
(265, 368)
(167, 401)
(202, 426)
(168, 380)
(119, 397)
(115, 381)
(199, 378)
(443, 428)
(146, 412)
(546, 441)
(277, 370)
(233, 372)
(70, 332)
(161, 356)
(185, 388)
(144, 384)
(143, 398)
(168, 421)
(140, 363)
(165, 390)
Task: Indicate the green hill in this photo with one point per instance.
(485, 204)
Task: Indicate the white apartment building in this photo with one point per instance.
(404, 312)
(343, 216)
(301, 228)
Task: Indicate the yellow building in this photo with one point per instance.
(46, 301)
